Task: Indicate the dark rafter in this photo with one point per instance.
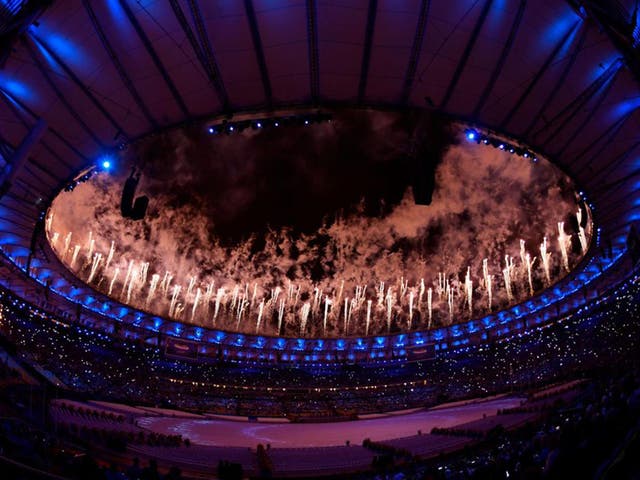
(543, 69)
(257, 47)
(32, 175)
(28, 187)
(312, 41)
(27, 127)
(195, 46)
(622, 202)
(14, 222)
(610, 133)
(416, 48)
(616, 161)
(592, 113)
(558, 85)
(515, 27)
(78, 82)
(366, 52)
(10, 100)
(607, 189)
(19, 208)
(465, 55)
(124, 77)
(61, 97)
(574, 107)
(46, 170)
(10, 224)
(210, 64)
(6, 149)
(154, 56)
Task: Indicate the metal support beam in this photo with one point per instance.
(21, 153)
(257, 47)
(543, 69)
(124, 77)
(312, 42)
(558, 85)
(38, 229)
(45, 170)
(572, 109)
(210, 64)
(610, 134)
(601, 98)
(6, 149)
(13, 102)
(59, 95)
(515, 27)
(613, 164)
(610, 188)
(366, 52)
(27, 215)
(13, 224)
(154, 56)
(465, 55)
(29, 189)
(416, 48)
(67, 70)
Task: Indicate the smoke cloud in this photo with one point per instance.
(300, 226)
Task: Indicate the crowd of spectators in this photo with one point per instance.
(598, 344)
(95, 364)
(590, 437)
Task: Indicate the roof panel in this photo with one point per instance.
(341, 31)
(392, 41)
(284, 37)
(540, 33)
(485, 55)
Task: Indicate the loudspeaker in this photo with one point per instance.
(129, 208)
(128, 192)
(140, 208)
(423, 180)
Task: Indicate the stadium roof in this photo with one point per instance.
(556, 74)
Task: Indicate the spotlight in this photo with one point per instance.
(306, 122)
(501, 147)
(276, 124)
(105, 162)
(212, 130)
(511, 150)
(231, 128)
(259, 125)
(525, 154)
(471, 134)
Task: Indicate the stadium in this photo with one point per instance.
(310, 239)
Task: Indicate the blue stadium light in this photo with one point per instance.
(501, 147)
(212, 130)
(105, 162)
(471, 135)
(259, 125)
